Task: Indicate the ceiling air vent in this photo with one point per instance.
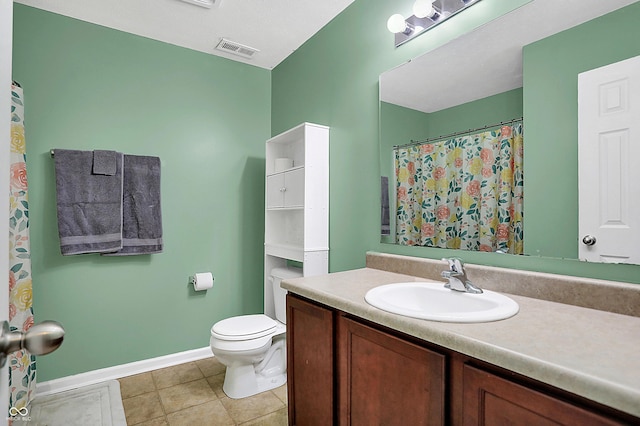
(204, 3)
(236, 48)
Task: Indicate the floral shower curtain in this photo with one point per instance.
(462, 193)
(22, 365)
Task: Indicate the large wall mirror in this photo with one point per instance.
(523, 65)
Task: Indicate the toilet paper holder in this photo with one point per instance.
(206, 281)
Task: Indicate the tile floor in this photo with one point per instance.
(191, 394)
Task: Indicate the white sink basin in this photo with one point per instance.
(432, 301)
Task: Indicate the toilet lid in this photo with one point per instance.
(244, 327)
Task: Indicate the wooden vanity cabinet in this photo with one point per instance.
(384, 380)
(310, 363)
(343, 370)
(493, 400)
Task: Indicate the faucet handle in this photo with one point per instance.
(449, 274)
(455, 264)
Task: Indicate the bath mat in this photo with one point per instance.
(94, 405)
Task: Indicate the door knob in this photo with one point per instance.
(589, 240)
(40, 339)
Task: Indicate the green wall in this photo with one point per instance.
(492, 109)
(89, 87)
(332, 79)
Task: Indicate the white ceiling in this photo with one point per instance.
(487, 60)
(275, 27)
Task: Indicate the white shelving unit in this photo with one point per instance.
(297, 202)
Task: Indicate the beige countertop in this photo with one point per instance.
(589, 352)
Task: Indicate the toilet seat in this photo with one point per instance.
(244, 333)
(244, 327)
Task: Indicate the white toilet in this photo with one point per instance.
(253, 347)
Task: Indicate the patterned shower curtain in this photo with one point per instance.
(22, 365)
(462, 193)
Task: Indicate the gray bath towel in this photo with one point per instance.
(141, 215)
(89, 206)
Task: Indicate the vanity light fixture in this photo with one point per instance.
(426, 15)
(397, 24)
(424, 9)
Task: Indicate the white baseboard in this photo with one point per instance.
(119, 371)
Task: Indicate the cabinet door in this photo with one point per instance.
(285, 189)
(309, 363)
(275, 191)
(492, 400)
(383, 380)
(294, 188)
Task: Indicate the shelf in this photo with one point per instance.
(285, 251)
(296, 203)
(285, 171)
(289, 208)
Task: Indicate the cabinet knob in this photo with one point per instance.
(283, 189)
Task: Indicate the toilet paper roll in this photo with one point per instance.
(281, 164)
(202, 281)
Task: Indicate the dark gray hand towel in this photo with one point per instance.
(89, 206)
(141, 216)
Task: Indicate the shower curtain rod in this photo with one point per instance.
(465, 132)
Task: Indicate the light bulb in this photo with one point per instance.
(396, 23)
(423, 9)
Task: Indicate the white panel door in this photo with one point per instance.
(609, 163)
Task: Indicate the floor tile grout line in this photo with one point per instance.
(276, 395)
(200, 368)
(157, 391)
(164, 411)
(148, 420)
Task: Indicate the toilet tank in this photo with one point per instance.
(280, 294)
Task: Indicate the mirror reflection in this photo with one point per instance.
(445, 119)
(463, 191)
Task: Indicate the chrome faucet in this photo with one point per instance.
(458, 280)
